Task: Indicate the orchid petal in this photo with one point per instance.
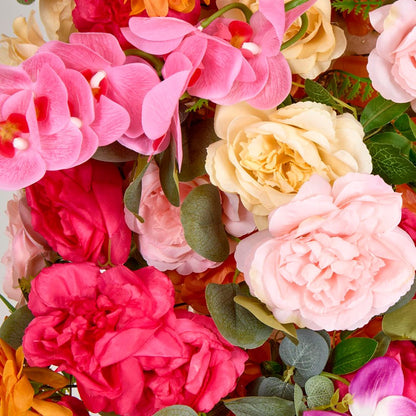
(13, 79)
(395, 405)
(378, 379)
(34, 64)
(274, 12)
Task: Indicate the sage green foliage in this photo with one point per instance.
(300, 407)
(168, 174)
(195, 139)
(115, 152)
(316, 92)
(273, 386)
(379, 112)
(400, 324)
(25, 1)
(352, 353)
(319, 390)
(261, 406)
(309, 356)
(176, 410)
(383, 341)
(201, 218)
(235, 323)
(14, 326)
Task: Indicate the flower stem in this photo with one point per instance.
(335, 377)
(293, 4)
(156, 62)
(302, 31)
(10, 307)
(247, 13)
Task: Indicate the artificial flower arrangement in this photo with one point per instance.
(215, 209)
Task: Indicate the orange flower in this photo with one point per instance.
(161, 7)
(191, 288)
(17, 397)
(408, 196)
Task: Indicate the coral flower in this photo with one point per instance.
(16, 392)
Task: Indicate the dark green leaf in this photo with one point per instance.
(108, 414)
(393, 139)
(352, 353)
(273, 386)
(260, 406)
(319, 94)
(195, 140)
(309, 357)
(201, 217)
(390, 164)
(271, 368)
(400, 324)
(14, 326)
(379, 111)
(406, 126)
(383, 344)
(168, 174)
(405, 299)
(134, 190)
(219, 410)
(176, 410)
(115, 152)
(235, 323)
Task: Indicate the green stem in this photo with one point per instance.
(293, 4)
(10, 307)
(335, 377)
(302, 31)
(156, 62)
(344, 104)
(236, 273)
(247, 13)
(373, 133)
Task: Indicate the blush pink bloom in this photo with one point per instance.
(391, 65)
(80, 213)
(28, 251)
(45, 116)
(332, 257)
(118, 334)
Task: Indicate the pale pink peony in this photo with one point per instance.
(28, 251)
(332, 257)
(391, 65)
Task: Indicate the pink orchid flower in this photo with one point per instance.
(118, 87)
(377, 390)
(45, 116)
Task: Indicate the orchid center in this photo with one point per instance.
(98, 82)
(241, 35)
(11, 132)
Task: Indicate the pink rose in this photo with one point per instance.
(75, 405)
(161, 237)
(28, 250)
(332, 257)
(80, 213)
(118, 334)
(391, 64)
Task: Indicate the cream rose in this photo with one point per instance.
(265, 156)
(56, 16)
(322, 42)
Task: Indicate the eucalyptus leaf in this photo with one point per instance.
(235, 323)
(176, 410)
(309, 357)
(319, 390)
(260, 406)
(115, 152)
(400, 324)
(298, 400)
(273, 386)
(379, 111)
(195, 139)
(316, 92)
(390, 164)
(405, 299)
(201, 217)
(14, 326)
(352, 353)
(263, 314)
(406, 126)
(25, 1)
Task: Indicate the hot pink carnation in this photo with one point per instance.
(80, 213)
(118, 334)
(332, 257)
(391, 64)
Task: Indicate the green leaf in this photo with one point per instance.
(201, 217)
(260, 406)
(319, 390)
(195, 140)
(400, 324)
(405, 299)
(219, 410)
(383, 341)
(406, 126)
(133, 192)
(319, 94)
(393, 139)
(176, 410)
(115, 152)
(273, 386)
(309, 357)
(352, 353)
(25, 1)
(390, 164)
(298, 400)
(14, 326)
(379, 111)
(235, 323)
(108, 414)
(263, 314)
(168, 174)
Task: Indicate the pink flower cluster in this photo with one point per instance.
(118, 334)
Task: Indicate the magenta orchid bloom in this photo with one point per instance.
(45, 116)
(377, 390)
